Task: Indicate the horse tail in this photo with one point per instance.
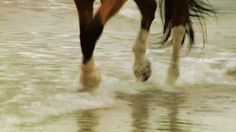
(198, 10)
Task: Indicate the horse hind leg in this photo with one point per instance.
(142, 66)
(178, 22)
(173, 71)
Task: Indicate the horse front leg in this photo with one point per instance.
(142, 66)
(90, 76)
(90, 30)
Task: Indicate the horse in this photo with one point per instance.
(177, 18)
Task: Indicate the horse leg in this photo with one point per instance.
(90, 33)
(142, 66)
(108, 9)
(173, 71)
(178, 21)
(89, 76)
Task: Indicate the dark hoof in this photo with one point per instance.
(143, 73)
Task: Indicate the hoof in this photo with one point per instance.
(173, 74)
(143, 72)
(89, 81)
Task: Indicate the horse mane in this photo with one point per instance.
(198, 11)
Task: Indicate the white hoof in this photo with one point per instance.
(89, 81)
(90, 77)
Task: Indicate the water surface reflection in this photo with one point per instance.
(88, 120)
(147, 102)
(157, 110)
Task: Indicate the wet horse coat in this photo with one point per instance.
(176, 18)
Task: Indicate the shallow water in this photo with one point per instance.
(39, 68)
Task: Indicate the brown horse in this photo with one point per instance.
(176, 16)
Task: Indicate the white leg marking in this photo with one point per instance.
(178, 35)
(89, 77)
(173, 71)
(142, 66)
(139, 47)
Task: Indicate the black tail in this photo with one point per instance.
(198, 9)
